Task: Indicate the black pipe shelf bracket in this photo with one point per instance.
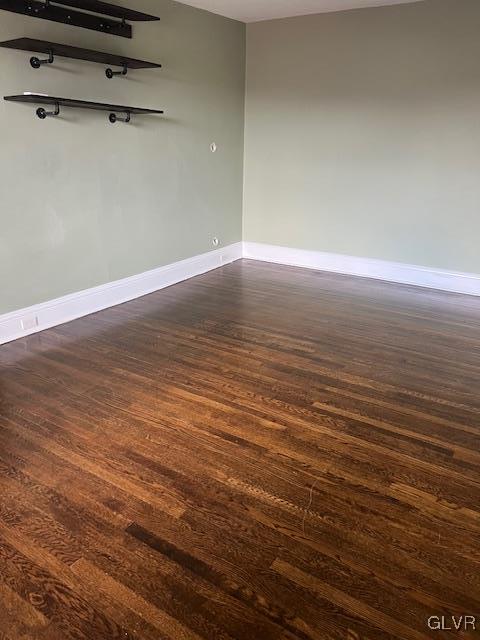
(81, 13)
(114, 109)
(114, 118)
(36, 63)
(54, 49)
(111, 74)
(43, 114)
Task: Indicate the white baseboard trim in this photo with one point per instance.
(24, 322)
(452, 281)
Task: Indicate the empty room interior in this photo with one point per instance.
(239, 319)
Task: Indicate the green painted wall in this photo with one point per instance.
(83, 202)
(363, 133)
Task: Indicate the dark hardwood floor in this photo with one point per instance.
(261, 452)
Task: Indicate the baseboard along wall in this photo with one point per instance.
(43, 316)
(24, 322)
(452, 281)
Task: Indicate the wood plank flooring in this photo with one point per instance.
(262, 452)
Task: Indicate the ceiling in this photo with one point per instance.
(255, 10)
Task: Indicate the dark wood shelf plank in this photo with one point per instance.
(66, 51)
(36, 98)
(67, 15)
(107, 9)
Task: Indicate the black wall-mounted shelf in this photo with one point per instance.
(114, 109)
(65, 11)
(66, 51)
(107, 9)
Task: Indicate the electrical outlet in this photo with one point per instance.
(215, 242)
(29, 322)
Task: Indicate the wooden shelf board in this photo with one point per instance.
(67, 15)
(107, 9)
(66, 51)
(79, 104)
